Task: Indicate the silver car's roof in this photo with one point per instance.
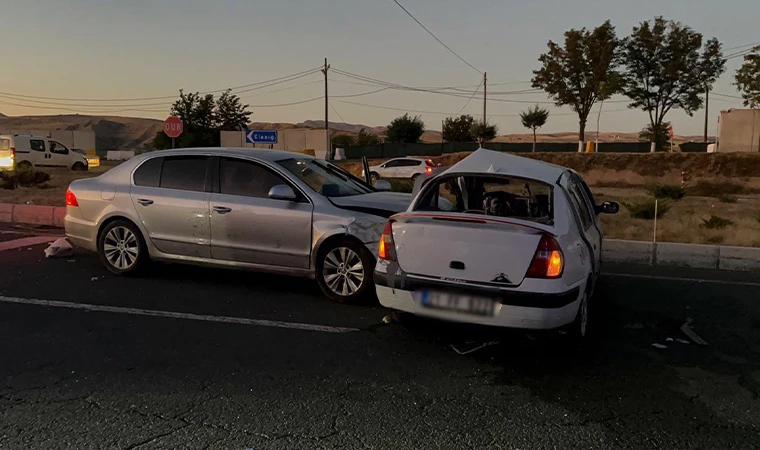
(265, 154)
(489, 161)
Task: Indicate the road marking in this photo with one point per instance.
(688, 280)
(177, 315)
(27, 242)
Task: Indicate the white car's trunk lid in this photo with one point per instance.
(467, 248)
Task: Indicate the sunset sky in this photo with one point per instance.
(65, 50)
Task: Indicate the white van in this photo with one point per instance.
(24, 152)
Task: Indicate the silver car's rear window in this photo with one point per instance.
(492, 195)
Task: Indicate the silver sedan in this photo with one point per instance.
(265, 210)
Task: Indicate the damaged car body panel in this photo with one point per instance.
(266, 210)
(495, 239)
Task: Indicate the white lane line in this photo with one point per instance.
(27, 242)
(177, 315)
(688, 280)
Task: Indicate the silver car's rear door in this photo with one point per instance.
(169, 194)
(248, 226)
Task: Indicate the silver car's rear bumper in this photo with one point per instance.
(81, 233)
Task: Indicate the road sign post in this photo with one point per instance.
(173, 127)
(261, 137)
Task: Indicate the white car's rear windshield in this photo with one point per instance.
(500, 196)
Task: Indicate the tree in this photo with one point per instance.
(405, 129)
(534, 118)
(483, 131)
(748, 79)
(343, 141)
(366, 138)
(581, 72)
(198, 115)
(659, 134)
(665, 69)
(231, 114)
(458, 129)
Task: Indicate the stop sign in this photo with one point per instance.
(173, 127)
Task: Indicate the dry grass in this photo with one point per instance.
(54, 193)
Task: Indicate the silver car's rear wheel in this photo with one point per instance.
(121, 247)
(344, 270)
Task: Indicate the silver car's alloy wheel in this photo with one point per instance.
(121, 248)
(343, 271)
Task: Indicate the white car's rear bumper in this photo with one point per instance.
(505, 316)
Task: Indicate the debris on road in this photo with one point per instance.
(669, 339)
(467, 351)
(660, 346)
(59, 249)
(682, 341)
(686, 329)
(387, 319)
(94, 279)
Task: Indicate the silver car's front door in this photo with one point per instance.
(169, 194)
(248, 226)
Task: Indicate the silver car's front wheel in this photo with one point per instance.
(121, 247)
(344, 270)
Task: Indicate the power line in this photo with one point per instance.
(471, 97)
(288, 104)
(436, 37)
(727, 95)
(743, 46)
(282, 79)
(337, 113)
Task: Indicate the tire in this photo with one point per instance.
(341, 264)
(122, 248)
(373, 177)
(578, 329)
(78, 167)
(24, 166)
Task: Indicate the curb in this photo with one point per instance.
(693, 256)
(662, 254)
(32, 214)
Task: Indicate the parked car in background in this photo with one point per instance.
(7, 154)
(30, 151)
(267, 210)
(401, 168)
(92, 160)
(499, 240)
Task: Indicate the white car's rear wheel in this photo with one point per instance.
(344, 270)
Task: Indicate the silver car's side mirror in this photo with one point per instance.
(382, 185)
(282, 192)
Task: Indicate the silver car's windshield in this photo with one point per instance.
(325, 178)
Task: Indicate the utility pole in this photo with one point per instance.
(327, 126)
(707, 108)
(485, 88)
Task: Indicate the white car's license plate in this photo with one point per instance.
(451, 301)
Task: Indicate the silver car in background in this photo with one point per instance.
(267, 210)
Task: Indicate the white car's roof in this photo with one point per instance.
(489, 161)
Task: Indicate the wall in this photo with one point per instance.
(294, 140)
(392, 150)
(72, 139)
(739, 131)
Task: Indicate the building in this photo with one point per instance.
(739, 131)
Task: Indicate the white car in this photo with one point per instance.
(401, 168)
(24, 152)
(498, 240)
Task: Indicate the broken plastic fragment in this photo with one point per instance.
(473, 349)
(660, 346)
(691, 334)
(387, 319)
(60, 248)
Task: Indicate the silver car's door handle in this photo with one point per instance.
(144, 201)
(222, 209)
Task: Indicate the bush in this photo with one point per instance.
(12, 180)
(716, 223)
(401, 185)
(727, 199)
(673, 192)
(645, 210)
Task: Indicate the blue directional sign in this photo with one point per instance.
(261, 136)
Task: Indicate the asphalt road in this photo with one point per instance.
(263, 362)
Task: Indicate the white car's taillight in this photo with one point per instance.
(548, 261)
(387, 248)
